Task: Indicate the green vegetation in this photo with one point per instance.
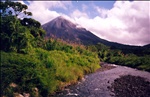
(48, 71)
(29, 62)
(18, 34)
(139, 60)
(131, 60)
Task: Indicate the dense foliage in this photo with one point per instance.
(139, 60)
(46, 70)
(18, 34)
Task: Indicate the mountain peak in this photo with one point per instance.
(61, 18)
(60, 22)
(64, 29)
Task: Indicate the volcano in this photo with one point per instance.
(62, 28)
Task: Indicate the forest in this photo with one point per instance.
(30, 62)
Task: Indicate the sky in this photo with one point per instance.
(126, 22)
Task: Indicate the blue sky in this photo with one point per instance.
(87, 6)
(118, 21)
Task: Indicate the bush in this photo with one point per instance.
(48, 71)
(132, 61)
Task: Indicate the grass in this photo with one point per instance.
(49, 71)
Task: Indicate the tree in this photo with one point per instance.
(14, 36)
(16, 33)
(9, 8)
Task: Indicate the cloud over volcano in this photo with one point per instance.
(125, 22)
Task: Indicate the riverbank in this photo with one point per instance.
(131, 86)
(99, 83)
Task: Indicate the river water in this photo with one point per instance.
(97, 84)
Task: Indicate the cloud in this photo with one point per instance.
(76, 13)
(42, 11)
(127, 22)
(102, 11)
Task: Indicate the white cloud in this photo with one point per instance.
(127, 22)
(42, 10)
(76, 13)
(102, 11)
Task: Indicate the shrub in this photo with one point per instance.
(48, 71)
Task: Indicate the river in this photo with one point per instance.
(97, 84)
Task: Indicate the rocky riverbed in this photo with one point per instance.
(131, 86)
(111, 81)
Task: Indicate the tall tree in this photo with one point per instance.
(18, 33)
(9, 8)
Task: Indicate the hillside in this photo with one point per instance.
(61, 28)
(66, 30)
